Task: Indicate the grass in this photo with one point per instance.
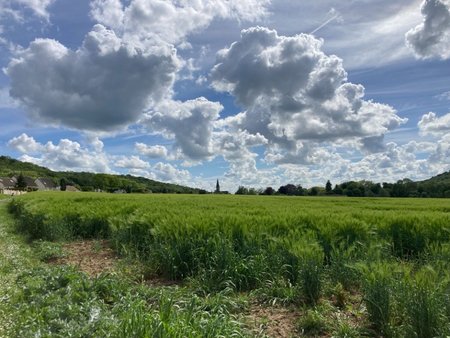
(301, 252)
(46, 300)
(60, 301)
(15, 258)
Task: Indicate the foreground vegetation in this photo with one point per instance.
(59, 301)
(317, 257)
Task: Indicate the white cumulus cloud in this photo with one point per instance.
(67, 155)
(432, 124)
(295, 94)
(151, 151)
(132, 162)
(13, 8)
(105, 84)
(189, 123)
(171, 20)
(431, 38)
(25, 144)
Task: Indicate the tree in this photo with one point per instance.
(269, 191)
(300, 190)
(314, 191)
(21, 183)
(241, 190)
(288, 189)
(252, 191)
(63, 184)
(338, 190)
(328, 187)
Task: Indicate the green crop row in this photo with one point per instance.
(394, 252)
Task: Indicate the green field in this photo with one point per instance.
(382, 265)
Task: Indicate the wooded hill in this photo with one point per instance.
(86, 181)
(437, 186)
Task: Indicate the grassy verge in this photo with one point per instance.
(16, 257)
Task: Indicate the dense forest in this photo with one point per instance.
(89, 181)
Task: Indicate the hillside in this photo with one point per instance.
(436, 186)
(443, 178)
(10, 166)
(89, 181)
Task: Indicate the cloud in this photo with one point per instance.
(432, 37)
(189, 123)
(295, 95)
(444, 96)
(151, 151)
(103, 85)
(6, 101)
(25, 144)
(441, 154)
(167, 172)
(415, 160)
(132, 162)
(67, 155)
(95, 143)
(373, 144)
(171, 21)
(126, 65)
(363, 24)
(107, 12)
(38, 7)
(432, 124)
(234, 146)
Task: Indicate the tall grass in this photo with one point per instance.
(378, 290)
(288, 248)
(425, 304)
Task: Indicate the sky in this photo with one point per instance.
(251, 92)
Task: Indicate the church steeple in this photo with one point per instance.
(217, 187)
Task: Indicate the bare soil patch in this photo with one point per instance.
(273, 321)
(90, 256)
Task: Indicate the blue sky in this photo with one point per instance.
(254, 93)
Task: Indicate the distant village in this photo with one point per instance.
(18, 185)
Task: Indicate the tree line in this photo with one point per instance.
(402, 188)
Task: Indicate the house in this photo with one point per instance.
(71, 188)
(45, 184)
(7, 185)
(31, 183)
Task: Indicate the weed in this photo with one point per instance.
(313, 323)
(48, 251)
